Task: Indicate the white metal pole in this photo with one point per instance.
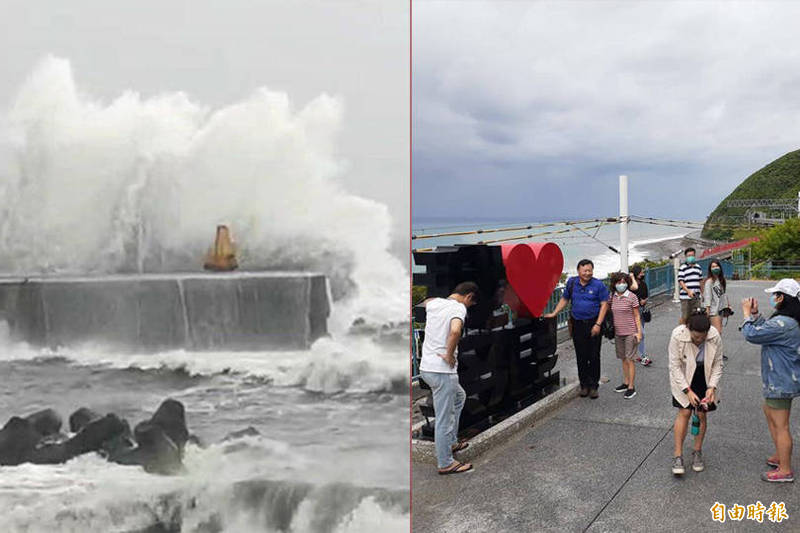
(623, 227)
(676, 265)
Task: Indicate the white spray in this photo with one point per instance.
(139, 184)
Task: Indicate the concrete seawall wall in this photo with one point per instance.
(236, 311)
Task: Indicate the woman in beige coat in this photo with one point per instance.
(695, 368)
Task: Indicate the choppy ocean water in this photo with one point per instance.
(332, 454)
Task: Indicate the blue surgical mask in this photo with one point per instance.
(773, 301)
(691, 259)
(621, 287)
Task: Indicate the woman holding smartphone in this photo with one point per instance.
(779, 337)
(695, 368)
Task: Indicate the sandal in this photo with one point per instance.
(456, 468)
(460, 446)
(773, 464)
(774, 476)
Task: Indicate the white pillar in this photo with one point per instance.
(676, 265)
(623, 227)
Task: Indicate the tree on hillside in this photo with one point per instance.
(780, 179)
(780, 243)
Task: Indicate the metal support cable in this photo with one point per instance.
(667, 224)
(568, 230)
(665, 220)
(598, 240)
(518, 237)
(513, 228)
(682, 223)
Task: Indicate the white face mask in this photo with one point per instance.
(621, 287)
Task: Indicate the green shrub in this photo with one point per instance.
(418, 293)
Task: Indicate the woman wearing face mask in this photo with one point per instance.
(779, 337)
(642, 293)
(695, 368)
(714, 298)
(627, 330)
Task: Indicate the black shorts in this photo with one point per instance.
(698, 386)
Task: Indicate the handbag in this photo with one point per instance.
(726, 311)
(607, 328)
(647, 316)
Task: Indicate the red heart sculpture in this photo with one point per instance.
(532, 270)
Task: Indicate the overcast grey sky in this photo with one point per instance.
(220, 52)
(532, 109)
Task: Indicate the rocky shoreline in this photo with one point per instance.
(156, 444)
(658, 251)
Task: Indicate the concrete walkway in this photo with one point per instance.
(604, 465)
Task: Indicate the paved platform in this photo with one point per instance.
(604, 465)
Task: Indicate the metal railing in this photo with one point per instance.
(771, 270)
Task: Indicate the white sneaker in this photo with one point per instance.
(677, 466)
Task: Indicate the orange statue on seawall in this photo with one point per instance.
(222, 256)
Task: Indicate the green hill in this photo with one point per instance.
(779, 179)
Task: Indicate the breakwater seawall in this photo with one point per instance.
(151, 312)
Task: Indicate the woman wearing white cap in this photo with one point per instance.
(779, 337)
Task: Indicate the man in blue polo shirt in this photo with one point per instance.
(589, 297)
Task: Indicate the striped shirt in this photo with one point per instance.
(623, 306)
(691, 276)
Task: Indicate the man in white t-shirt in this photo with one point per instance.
(444, 321)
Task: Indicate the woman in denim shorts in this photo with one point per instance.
(779, 337)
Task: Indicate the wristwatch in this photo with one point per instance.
(686, 390)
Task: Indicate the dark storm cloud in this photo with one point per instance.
(534, 109)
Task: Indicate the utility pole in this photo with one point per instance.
(623, 227)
